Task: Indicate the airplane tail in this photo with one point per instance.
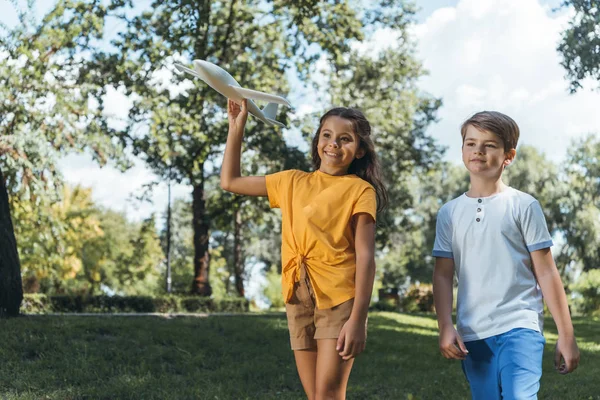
(270, 112)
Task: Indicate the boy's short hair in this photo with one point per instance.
(497, 123)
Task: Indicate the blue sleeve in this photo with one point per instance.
(442, 246)
(534, 228)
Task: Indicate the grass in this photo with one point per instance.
(241, 357)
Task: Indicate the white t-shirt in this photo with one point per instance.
(490, 240)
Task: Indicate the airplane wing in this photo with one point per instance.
(181, 68)
(256, 95)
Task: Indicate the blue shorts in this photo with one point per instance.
(505, 366)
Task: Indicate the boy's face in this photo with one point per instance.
(483, 153)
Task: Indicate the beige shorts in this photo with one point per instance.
(306, 322)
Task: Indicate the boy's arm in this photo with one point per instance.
(352, 339)
(451, 344)
(231, 177)
(549, 280)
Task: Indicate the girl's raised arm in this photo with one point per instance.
(231, 177)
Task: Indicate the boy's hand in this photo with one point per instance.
(567, 351)
(237, 115)
(352, 339)
(451, 344)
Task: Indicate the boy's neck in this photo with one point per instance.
(485, 187)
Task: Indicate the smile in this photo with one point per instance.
(332, 154)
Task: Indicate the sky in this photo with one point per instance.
(480, 55)
(501, 55)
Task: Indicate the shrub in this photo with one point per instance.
(389, 300)
(385, 305)
(418, 298)
(167, 304)
(35, 304)
(197, 304)
(40, 304)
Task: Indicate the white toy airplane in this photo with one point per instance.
(220, 80)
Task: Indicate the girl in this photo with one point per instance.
(328, 242)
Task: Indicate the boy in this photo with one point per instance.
(497, 239)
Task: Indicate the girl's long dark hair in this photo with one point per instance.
(366, 167)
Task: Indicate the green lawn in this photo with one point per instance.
(241, 357)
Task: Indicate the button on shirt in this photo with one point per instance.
(490, 240)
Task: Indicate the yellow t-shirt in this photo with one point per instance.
(316, 210)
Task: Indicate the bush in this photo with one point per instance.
(418, 298)
(35, 304)
(197, 304)
(167, 304)
(40, 304)
(587, 293)
(385, 305)
(389, 300)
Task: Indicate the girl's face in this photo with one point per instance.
(338, 146)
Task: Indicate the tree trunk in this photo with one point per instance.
(238, 259)
(11, 288)
(201, 285)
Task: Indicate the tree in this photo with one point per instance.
(102, 256)
(409, 258)
(44, 112)
(580, 44)
(181, 128)
(140, 272)
(11, 290)
(53, 241)
(126, 258)
(579, 204)
(182, 253)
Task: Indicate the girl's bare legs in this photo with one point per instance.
(323, 373)
(306, 363)
(332, 371)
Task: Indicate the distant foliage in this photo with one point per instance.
(272, 289)
(182, 254)
(51, 242)
(408, 257)
(587, 293)
(74, 247)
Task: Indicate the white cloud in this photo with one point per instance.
(117, 190)
(116, 106)
(380, 40)
(501, 55)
